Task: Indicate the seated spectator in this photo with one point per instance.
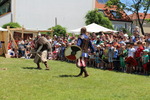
(11, 53)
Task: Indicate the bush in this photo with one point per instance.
(58, 30)
(12, 25)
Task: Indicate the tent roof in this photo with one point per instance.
(94, 28)
(2, 29)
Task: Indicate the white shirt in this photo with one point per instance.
(11, 52)
(131, 52)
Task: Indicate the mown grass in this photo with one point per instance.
(21, 81)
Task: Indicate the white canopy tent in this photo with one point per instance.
(2, 29)
(94, 28)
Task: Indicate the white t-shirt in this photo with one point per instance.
(131, 52)
(11, 52)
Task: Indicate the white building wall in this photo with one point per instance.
(41, 14)
(5, 19)
(117, 25)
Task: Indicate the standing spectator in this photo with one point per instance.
(138, 54)
(21, 48)
(130, 59)
(145, 61)
(62, 50)
(97, 57)
(116, 58)
(122, 56)
(136, 33)
(105, 58)
(110, 56)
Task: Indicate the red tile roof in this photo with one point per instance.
(134, 16)
(108, 12)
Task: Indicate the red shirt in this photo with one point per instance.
(139, 51)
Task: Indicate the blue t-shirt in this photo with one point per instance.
(116, 54)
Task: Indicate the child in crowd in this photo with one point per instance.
(62, 50)
(91, 60)
(11, 53)
(145, 61)
(105, 57)
(122, 56)
(97, 57)
(138, 54)
(28, 52)
(110, 56)
(130, 59)
(116, 58)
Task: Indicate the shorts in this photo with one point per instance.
(41, 57)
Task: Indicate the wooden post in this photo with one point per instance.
(22, 36)
(52, 34)
(10, 33)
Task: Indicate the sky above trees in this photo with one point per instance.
(128, 2)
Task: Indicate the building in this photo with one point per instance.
(118, 19)
(146, 25)
(43, 14)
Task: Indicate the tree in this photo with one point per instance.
(58, 30)
(94, 16)
(135, 6)
(147, 20)
(12, 25)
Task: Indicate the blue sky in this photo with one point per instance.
(130, 2)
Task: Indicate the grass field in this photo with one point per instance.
(21, 81)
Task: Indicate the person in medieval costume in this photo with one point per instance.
(42, 47)
(84, 42)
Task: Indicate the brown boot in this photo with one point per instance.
(38, 66)
(85, 72)
(81, 72)
(45, 63)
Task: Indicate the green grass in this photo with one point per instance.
(22, 82)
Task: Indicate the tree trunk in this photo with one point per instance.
(142, 30)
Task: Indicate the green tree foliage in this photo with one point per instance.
(135, 6)
(12, 25)
(58, 30)
(147, 20)
(94, 16)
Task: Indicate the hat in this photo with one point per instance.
(122, 42)
(102, 44)
(98, 46)
(126, 35)
(39, 34)
(145, 50)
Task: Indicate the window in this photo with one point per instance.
(102, 1)
(102, 11)
(6, 7)
(116, 14)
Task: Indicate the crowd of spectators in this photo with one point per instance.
(114, 51)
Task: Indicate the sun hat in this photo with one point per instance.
(145, 50)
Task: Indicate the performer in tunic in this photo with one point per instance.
(42, 47)
(84, 42)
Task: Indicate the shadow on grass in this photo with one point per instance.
(30, 68)
(67, 75)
